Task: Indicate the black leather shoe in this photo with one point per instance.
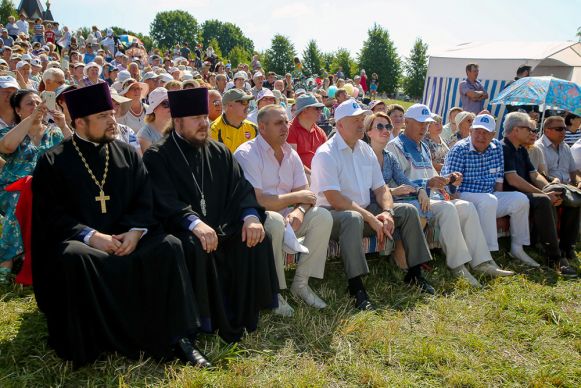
(565, 269)
(362, 301)
(189, 353)
(421, 283)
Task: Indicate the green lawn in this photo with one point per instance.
(405, 104)
(519, 331)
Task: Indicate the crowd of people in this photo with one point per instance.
(168, 188)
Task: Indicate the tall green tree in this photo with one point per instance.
(279, 57)
(227, 34)
(327, 60)
(379, 55)
(344, 60)
(579, 33)
(6, 9)
(312, 59)
(239, 55)
(171, 27)
(416, 67)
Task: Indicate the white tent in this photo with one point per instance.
(498, 62)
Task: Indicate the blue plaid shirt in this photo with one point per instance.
(481, 171)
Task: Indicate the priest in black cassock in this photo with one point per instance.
(105, 275)
(203, 198)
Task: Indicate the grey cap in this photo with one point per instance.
(306, 101)
(236, 95)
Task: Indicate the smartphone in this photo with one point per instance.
(49, 98)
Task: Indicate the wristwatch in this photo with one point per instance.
(302, 209)
(389, 211)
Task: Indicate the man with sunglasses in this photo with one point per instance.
(232, 128)
(520, 175)
(305, 136)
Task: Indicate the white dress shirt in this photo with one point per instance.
(353, 172)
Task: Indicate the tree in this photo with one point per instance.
(379, 55)
(6, 9)
(279, 58)
(416, 67)
(312, 59)
(344, 60)
(227, 34)
(579, 33)
(327, 60)
(239, 55)
(171, 27)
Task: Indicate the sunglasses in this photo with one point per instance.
(217, 103)
(243, 102)
(381, 127)
(164, 104)
(558, 129)
(528, 128)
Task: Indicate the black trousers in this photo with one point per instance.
(544, 220)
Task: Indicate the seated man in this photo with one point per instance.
(305, 136)
(460, 234)
(560, 165)
(276, 172)
(480, 160)
(105, 275)
(232, 128)
(344, 172)
(201, 195)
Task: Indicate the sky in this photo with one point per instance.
(344, 23)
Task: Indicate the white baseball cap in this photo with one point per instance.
(420, 113)
(349, 108)
(21, 64)
(165, 77)
(7, 81)
(241, 74)
(123, 76)
(156, 97)
(485, 122)
(150, 75)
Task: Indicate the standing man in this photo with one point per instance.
(276, 172)
(521, 72)
(305, 136)
(479, 158)
(203, 199)
(344, 172)
(520, 175)
(231, 128)
(105, 275)
(472, 94)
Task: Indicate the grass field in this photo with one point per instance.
(518, 331)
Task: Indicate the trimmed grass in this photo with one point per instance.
(405, 104)
(518, 331)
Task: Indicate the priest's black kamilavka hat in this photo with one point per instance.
(188, 102)
(89, 100)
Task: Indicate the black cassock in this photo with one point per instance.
(233, 283)
(95, 302)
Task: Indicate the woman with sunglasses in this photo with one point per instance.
(378, 128)
(157, 119)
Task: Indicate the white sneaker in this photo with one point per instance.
(520, 254)
(309, 296)
(461, 272)
(490, 268)
(283, 309)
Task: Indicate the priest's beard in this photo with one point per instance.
(108, 136)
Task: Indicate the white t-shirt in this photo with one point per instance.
(576, 151)
(354, 173)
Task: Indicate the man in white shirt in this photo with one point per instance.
(344, 172)
(23, 25)
(276, 172)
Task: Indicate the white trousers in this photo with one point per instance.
(500, 204)
(316, 229)
(461, 235)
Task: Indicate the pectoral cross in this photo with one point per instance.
(102, 198)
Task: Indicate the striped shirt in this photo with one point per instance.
(572, 137)
(480, 170)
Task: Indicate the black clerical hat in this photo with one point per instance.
(89, 100)
(188, 102)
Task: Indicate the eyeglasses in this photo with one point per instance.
(164, 104)
(381, 127)
(527, 128)
(243, 102)
(558, 129)
(217, 103)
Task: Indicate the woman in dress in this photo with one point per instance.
(21, 146)
(436, 145)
